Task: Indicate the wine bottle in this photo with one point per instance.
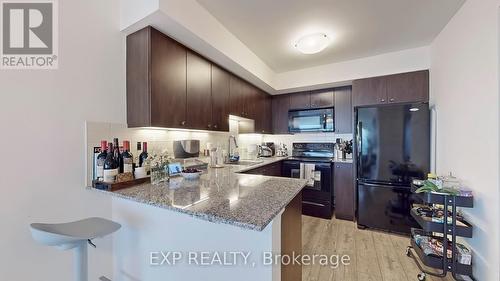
(127, 158)
(100, 160)
(144, 154)
(111, 167)
(117, 154)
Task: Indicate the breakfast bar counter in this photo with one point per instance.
(223, 213)
(222, 195)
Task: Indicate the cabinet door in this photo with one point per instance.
(253, 102)
(274, 169)
(263, 120)
(344, 191)
(268, 114)
(343, 110)
(199, 95)
(220, 99)
(138, 83)
(408, 87)
(322, 98)
(168, 82)
(369, 91)
(237, 96)
(300, 100)
(280, 107)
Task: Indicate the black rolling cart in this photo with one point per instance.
(450, 232)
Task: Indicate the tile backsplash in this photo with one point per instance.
(160, 140)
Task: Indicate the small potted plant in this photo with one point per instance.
(346, 147)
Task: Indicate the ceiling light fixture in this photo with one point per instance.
(312, 43)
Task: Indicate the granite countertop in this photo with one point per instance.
(222, 195)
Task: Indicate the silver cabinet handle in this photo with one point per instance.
(183, 123)
(313, 203)
(382, 100)
(391, 99)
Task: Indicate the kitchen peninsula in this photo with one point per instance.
(228, 210)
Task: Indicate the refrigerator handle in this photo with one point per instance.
(359, 145)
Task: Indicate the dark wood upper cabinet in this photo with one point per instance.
(263, 120)
(168, 81)
(280, 107)
(408, 87)
(138, 82)
(268, 114)
(322, 98)
(397, 88)
(369, 91)
(343, 110)
(253, 102)
(199, 92)
(220, 99)
(300, 100)
(237, 95)
(345, 198)
(156, 80)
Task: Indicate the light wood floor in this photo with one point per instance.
(374, 255)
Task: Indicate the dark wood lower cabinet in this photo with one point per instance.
(344, 190)
(291, 238)
(273, 170)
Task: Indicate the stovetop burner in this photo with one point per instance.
(312, 159)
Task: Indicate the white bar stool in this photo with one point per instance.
(74, 235)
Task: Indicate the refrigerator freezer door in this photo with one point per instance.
(386, 207)
(393, 143)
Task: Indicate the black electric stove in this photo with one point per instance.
(314, 162)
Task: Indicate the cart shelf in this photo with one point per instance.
(437, 262)
(439, 198)
(431, 226)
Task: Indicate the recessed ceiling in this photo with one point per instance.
(358, 28)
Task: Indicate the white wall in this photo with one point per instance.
(342, 73)
(464, 89)
(42, 120)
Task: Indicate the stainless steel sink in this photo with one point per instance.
(244, 162)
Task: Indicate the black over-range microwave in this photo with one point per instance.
(311, 120)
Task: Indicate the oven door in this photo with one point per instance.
(313, 120)
(317, 195)
(319, 175)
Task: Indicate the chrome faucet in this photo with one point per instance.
(229, 150)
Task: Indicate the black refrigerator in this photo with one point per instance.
(393, 148)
